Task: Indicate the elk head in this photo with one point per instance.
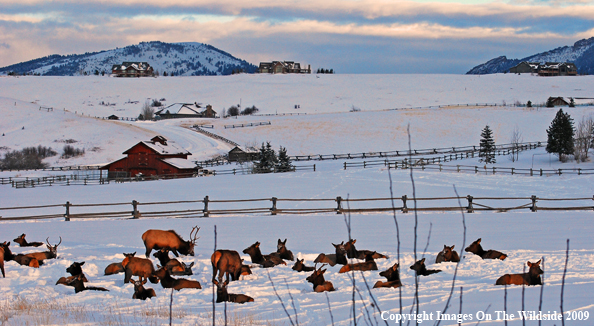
(53, 249)
(192, 241)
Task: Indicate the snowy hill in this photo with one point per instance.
(581, 53)
(180, 59)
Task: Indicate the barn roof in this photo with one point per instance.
(180, 163)
(162, 146)
(181, 108)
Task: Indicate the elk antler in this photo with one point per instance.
(195, 234)
(60, 241)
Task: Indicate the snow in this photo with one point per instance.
(327, 128)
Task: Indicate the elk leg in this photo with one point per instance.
(2, 268)
(148, 252)
(214, 273)
(127, 275)
(175, 252)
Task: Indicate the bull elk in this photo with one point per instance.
(141, 267)
(332, 259)
(223, 295)
(169, 282)
(79, 286)
(23, 243)
(393, 278)
(284, 253)
(300, 266)
(478, 250)
(174, 266)
(265, 260)
(368, 265)
(50, 254)
(318, 281)
(140, 292)
(447, 254)
(530, 278)
(160, 239)
(420, 269)
(226, 262)
(352, 251)
(75, 269)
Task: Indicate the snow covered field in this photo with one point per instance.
(29, 296)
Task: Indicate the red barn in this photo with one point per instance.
(155, 157)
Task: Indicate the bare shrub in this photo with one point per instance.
(250, 110)
(233, 111)
(147, 112)
(515, 139)
(70, 151)
(27, 158)
(583, 139)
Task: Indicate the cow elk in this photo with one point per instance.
(245, 269)
(223, 295)
(226, 262)
(79, 286)
(174, 266)
(448, 254)
(393, 278)
(478, 250)
(284, 253)
(169, 282)
(318, 281)
(141, 267)
(114, 268)
(368, 265)
(530, 278)
(159, 239)
(352, 251)
(265, 260)
(2, 261)
(300, 266)
(23, 242)
(140, 292)
(20, 258)
(420, 269)
(50, 254)
(332, 259)
(75, 269)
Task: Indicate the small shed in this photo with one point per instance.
(557, 101)
(113, 117)
(238, 154)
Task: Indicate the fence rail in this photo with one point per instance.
(243, 125)
(207, 207)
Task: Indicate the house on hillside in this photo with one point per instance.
(546, 69)
(133, 69)
(239, 154)
(525, 67)
(155, 157)
(185, 110)
(283, 67)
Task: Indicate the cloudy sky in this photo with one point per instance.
(350, 36)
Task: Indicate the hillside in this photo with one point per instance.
(581, 53)
(180, 59)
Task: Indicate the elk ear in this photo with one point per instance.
(131, 281)
(354, 240)
(538, 262)
(192, 264)
(81, 263)
(529, 264)
(134, 254)
(452, 247)
(215, 282)
(478, 241)
(257, 244)
(423, 261)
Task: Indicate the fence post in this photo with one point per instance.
(512, 171)
(533, 208)
(458, 166)
(314, 168)
(531, 172)
(559, 171)
(404, 208)
(135, 212)
(205, 211)
(67, 215)
(273, 209)
(493, 170)
(579, 171)
(541, 172)
(338, 205)
(345, 165)
(475, 169)
(470, 209)
(440, 167)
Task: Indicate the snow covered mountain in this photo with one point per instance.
(581, 53)
(179, 59)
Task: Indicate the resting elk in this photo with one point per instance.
(79, 286)
(2, 260)
(50, 254)
(477, 249)
(530, 278)
(265, 260)
(174, 266)
(23, 243)
(300, 266)
(75, 270)
(140, 292)
(245, 269)
(115, 268)
(332, 259)
(318, 281)
(141, 267)
(169, 282)
(420, 269)
(352, 251)
(393, 278)
(368, 265)
(226, 262)
(223, 295)
(284, 253)
(159, 239)
(447, 254)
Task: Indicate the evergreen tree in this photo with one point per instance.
(284, 162)
(560, 135)
(487, 146)
(267, 159)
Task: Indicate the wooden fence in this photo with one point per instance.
(208, 207)
(243, 125)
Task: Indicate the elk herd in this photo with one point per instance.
(228, 263)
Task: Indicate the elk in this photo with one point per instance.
(300, 266)
(282, 250)
(75, 270)
(159, 239)
(50, 254)
(226, 262)
(174, 266)
(318, 281)
(368, 265)
(114, 268)
(2, 261)
(332, 259)
(530, 278)
(223, 295)
(447, 254)
(20, 258)
(478, 250)
(420, 269)
(140, 292)
(245, 269)
(168, 282)
(141, 267)
(265, 260)
(79, 286)
(23, 243)
(352, 251)
(393, 278)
